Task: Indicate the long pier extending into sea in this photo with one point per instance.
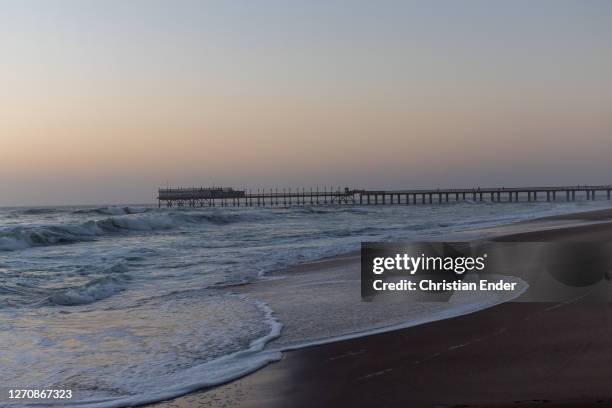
(224, 196)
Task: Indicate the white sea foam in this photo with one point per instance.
(159, 374)
(209, 374)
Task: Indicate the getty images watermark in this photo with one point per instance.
(533, 271)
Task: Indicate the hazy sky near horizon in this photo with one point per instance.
(104, 101)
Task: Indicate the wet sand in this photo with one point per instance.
(511, 355)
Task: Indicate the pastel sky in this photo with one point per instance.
(104, 101)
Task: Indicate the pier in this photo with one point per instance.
(225, 196)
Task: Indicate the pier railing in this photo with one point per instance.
(225, 196)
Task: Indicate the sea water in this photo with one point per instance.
(132, 304)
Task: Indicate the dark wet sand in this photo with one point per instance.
(512, 355)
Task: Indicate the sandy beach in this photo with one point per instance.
(510, 355)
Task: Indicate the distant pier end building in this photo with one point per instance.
(197, 197)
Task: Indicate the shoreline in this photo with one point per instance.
(276, 384)
(504, 231)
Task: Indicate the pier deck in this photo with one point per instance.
(213, 196)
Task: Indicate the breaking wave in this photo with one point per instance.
(103, 282)
(38, 211)
(113, 210)
(98, 289)
(22, 237)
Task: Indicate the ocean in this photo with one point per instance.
(132, 304)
